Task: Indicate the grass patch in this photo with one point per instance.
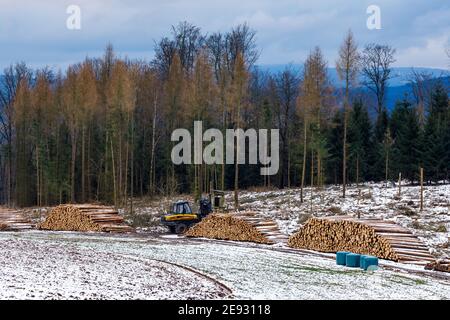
(336, 210)
(407, 211)
(416, 225)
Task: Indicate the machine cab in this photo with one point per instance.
(181, 207)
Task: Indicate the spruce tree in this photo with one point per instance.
(436, 145)
(377, 163)
(405, 131)
(360, 142)
(335, 145)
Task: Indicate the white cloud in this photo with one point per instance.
(432, 54)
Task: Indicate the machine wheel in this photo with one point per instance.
(172, 229)
(181, 228)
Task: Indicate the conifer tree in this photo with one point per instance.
(405, 130)
(347, 68)
(359, 142)
(436, 143)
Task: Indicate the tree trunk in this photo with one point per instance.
(344, 155)
(132, 165)
(113, 173)
(83, 163)
(304, 162)
(236, 173)
(387, 168)
(357, 170)
(38, 185)
(72, 169)
(152, 156)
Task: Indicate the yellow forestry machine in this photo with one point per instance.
(181, 216)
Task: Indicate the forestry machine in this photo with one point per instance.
(181, 216)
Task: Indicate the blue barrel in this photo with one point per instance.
(370, 263)
(352, 260)
(341, 258)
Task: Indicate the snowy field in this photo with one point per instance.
(50, 269)
(86, 266)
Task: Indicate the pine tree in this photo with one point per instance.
(436, 141)
(175, 110)
(359, 142)
(347, 68)
(121, 103)
(25, 192)
(377, 159)
(72, 114)
(87, 88)
(335, 145)
(314, 103)
(202, 107)
(405, 131)
(239, 102)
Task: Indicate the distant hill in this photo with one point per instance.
(399, 86)
(400, 75)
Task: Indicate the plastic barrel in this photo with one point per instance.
(370, 263)
(341, 258)
(352, 260)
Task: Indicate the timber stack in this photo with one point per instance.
(85, 218)
(380, 238)
(14, 220)
(227, 227)
(267, 227)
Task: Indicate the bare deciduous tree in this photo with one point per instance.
(376, 67)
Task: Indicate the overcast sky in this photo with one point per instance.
(35, 31)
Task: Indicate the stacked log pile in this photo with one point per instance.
(380, 238)
(85, 218)
(269, 228)
(443, 266)
(227, 227)
(14, 220)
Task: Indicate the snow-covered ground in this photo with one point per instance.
(52, 269)
(432, 225)
(70, 265)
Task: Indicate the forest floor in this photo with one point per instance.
(374, 200)
(62, 265)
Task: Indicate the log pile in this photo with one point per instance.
(333, 236)
(227, 227)
(380, 238)
(443, 266)
(85, 218)
(269, 228)
(14, 220)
